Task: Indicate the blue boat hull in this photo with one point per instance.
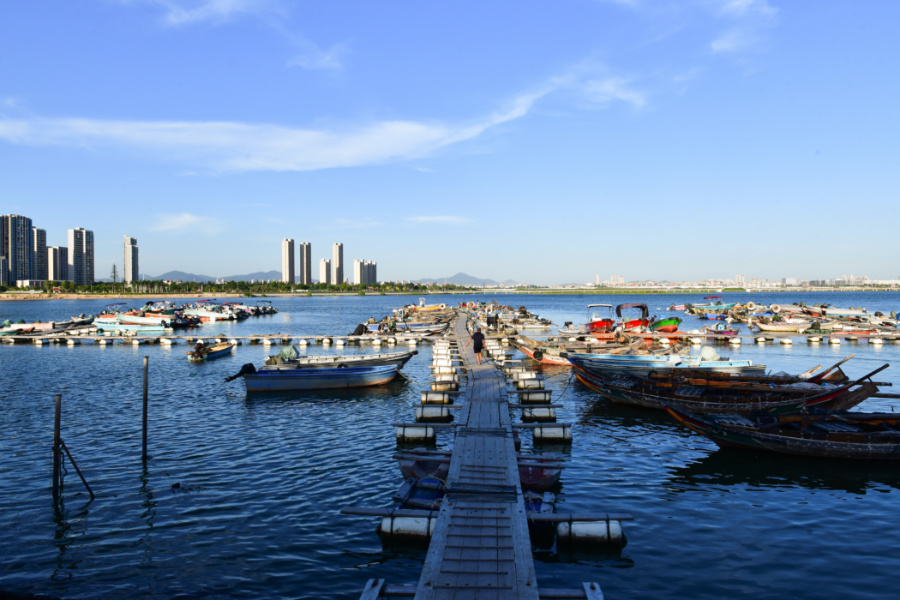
(296, 380)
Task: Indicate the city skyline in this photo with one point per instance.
(214, 123)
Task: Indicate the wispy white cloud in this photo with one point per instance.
(230, 146)
(314, 58)
(186, 223)
(612, 89)
(190, 12)
(749, 20)
(440, 219)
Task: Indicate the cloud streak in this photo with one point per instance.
(187, 223)
(183, 13)
(242, 147)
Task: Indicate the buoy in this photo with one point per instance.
(302, 343)
(267, 342)
(787, 341)
(590, 533)
(876, 340)
(543, 415)
(436, 398)
(392, 341)
(813, 340)
(433, 413)
(38, 342)
(326, 341)
(552, 433)
(411, 341)
(235, 341)
(407, 528)
(760, 340)
(339, 342)
(664, 341)
(530, 384)
(696, 341)
(751, 305)
(415, 433)
(834, 340)
(775, 309)
(735, 341)
(375, 342)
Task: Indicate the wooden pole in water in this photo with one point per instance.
(57, 452)
(144, 446)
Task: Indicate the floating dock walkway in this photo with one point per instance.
(480, 547)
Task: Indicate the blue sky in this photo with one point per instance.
(539, 141)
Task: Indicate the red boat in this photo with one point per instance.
(634, 325)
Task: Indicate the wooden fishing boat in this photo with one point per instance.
(556, 353)
(737, 398)
(720, 329)
(819, 434)
(298, 380)
(639, 365)
(204, 352)
(290, 358)
(787, 326)
(665, 325)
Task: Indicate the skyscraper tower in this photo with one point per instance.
(18, 248)
(132, 269)
(306, 263)
(337, 264)
(325, 271)
(40, 254)
(81, 256)
(287, 261)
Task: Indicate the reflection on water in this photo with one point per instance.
(729, 467)
(243, 493)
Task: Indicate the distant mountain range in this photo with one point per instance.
(458, 279)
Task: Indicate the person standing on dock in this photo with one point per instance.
(478, 338)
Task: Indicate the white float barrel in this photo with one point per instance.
(552, 433)
(545, 415)
(530, 384)
(436, 398)
(442, 362)
(432, 413)
(444, 387)
(407, 528)
(535, 397)
(415, 433)
(520, 375)
(444, 370)
(606, 533)
(446, 378)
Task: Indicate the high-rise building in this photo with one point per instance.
(58, 263)
(131, 269)
(325, 271)
(365, 272)
(287, 261)
(81, 256)
(337, 264)
(18, 248)
(306, 263)
(40, 254)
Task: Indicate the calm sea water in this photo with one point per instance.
(241, 496)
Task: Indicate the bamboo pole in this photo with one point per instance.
(57, 452)
(144, 431)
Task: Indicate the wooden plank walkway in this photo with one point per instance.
(480, 548)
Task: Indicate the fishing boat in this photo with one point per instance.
(642, 364)
(819, 434)
(720, 329)
(298, 380)
(203, 352)
(737, 398)
(556, 352)
(290, 358)
(665, 325)
(599, 320)
(631, 324)
(785, 326)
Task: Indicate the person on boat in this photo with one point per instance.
(478, 338)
